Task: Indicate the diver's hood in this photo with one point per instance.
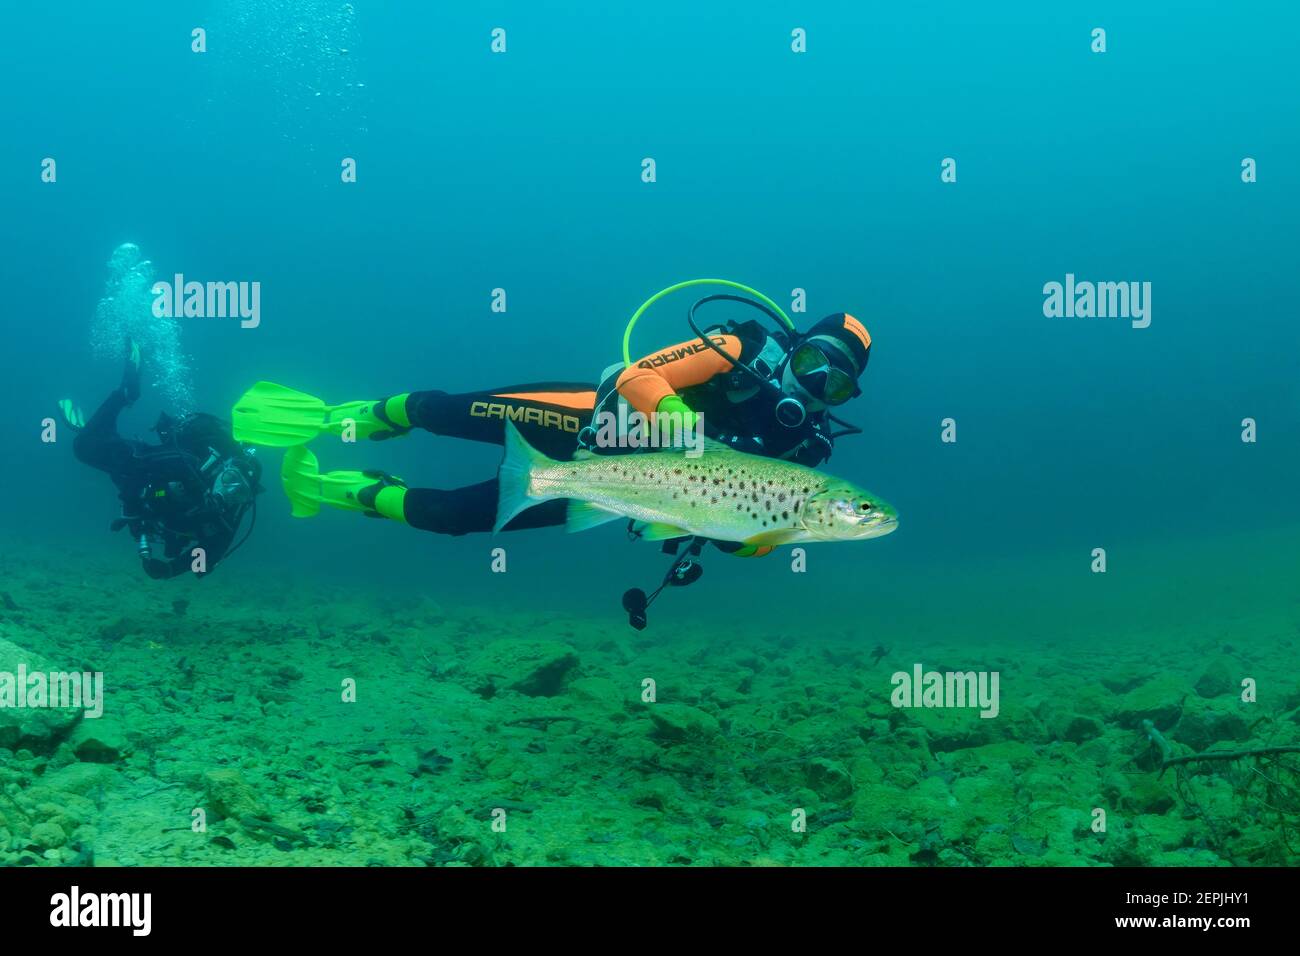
(197, 433)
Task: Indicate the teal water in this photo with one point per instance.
(818, 171)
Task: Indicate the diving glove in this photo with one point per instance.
(673, 405)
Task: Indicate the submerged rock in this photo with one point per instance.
(1159, 701)
(1077, 728)
(1204, 726)
(35, 728)
(831, 780)
(1125, 678)
(47, 836)
(1216, 679)
(79, 778)
(1097, 751)
(534, 668)
(1149, 795)
(660, 795)
(600, 691)
(682, 722)
(229, 795)
(950, 728)
(99, 741)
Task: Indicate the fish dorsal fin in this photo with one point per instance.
(660, 531)
(582, 515)
(776, 536)
(582, 454)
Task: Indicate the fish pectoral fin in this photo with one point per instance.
(775, 537)
(659, 531)
(582, 515)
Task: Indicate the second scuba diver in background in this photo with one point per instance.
(190, 491)
(766, 392)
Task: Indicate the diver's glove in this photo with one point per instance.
(674, 405)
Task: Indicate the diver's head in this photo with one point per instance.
(824, 367)
(165, 427)
(196, 433)
(845, 512)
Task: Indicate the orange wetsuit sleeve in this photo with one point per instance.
(648, 382)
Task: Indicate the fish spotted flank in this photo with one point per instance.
(723, 494)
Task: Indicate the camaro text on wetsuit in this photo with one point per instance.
(677, 354)
(544, 417)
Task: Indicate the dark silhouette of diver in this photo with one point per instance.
(184, 498)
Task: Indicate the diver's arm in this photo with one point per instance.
(160, 569)
(177, 560)
(813, 452)
(661, 374)
(214, 549)
(811, 445)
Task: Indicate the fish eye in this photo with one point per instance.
(864, 506)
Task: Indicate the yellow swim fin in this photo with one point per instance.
(374, 493)
(281, 417)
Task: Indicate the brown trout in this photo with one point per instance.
(722, 494)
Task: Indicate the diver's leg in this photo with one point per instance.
(378, 495)
(548, 414)
(472, 509)
(99, 445)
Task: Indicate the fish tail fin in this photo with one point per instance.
(514, 477)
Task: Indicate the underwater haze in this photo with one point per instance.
(1097, 514)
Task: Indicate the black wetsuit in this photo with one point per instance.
(163, 496)
(548, 414)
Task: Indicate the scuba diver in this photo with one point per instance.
(191, 490)
(765, 391)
